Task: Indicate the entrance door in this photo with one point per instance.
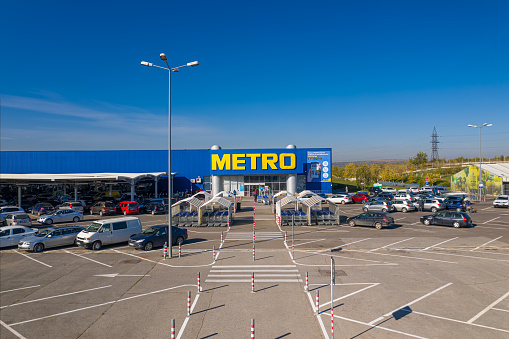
(249, 188)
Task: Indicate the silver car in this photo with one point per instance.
(403, 206)
(6, 210)
(381, 205)
(340, 199)
(11, 235)
(18, 219)
(432, 205)
(50, 237)
(61, 216)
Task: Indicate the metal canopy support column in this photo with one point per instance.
(132, 183)
(75, 192)
(19, 196)
(156, 179)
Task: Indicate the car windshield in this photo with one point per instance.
(44, 233)
(94, 227)
(503, 198)
(150, 231)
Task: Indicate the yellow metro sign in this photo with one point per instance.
(239, 162)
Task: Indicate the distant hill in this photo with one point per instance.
(344, 163)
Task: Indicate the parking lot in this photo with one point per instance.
(409, 280)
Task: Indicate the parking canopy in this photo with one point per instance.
(69, 177)
(218, 203)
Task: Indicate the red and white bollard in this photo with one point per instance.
(252, 329)
(307, 282)
(180, 250)
(165, 250)
(199, 285)
(253, 236)
(214, 253)
(317, 303)
(252, 282)
(228, 225)
(253, 252)
(172, 328)
(332, 322)
(188, 303)
(286, 236)
(293, 250)
(221, 237)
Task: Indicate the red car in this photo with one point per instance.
(128, 207)
(360, 197)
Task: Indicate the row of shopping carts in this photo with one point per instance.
(289, 217)
(185, 219)
(322, 217)
(209, 218)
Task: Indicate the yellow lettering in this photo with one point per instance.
(293, 161)
(237, 162)
(220, 164)
(253, 159)
(266, 161)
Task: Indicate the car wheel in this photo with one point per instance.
(153, 212)
(351, 223)
(378, 226)
(148, 246)
(384, 209)
(365, 209)
(48, 221)
(91, 212)
(364, 201)
(433, 209)
(101, 213)
(38, 247)
(458, 209)
(426, 222)
(456, 224)
(404, 210)
(76, 219)
(97, 245)
(343, 202)
(180, 240)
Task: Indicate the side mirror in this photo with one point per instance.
(49, 235)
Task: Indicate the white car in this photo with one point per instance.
(389, 190)
(11, 235)
(426, 189)
(340, 199)
(501, 201)
(61, 216)
(414, 190)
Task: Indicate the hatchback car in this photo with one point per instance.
(61, 216)
(455, 203)
(157, 236)
(403, 206)
(501, 201)
(128, 207)
(11, 235)
(156, 208)
(340, 199)
(6, 210)
(432, 205)
(376, 219)
(51, 237)
(386, 195)
(448, 218)
(404, 196)
(381, 205)
(389, 190)
(360, 197)
(73, 205)
(148, 202)
(18, 219)
(42, 208)
(103, 208)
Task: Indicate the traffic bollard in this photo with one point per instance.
(253, 236)
(253, 252)
(332, 322)
(317, 303)
(165, 250)
(286, 236)
(188, 303)
(252, 329)
(214, 253)
(221, 236)
(293, 250)
(180, 250)
(199, 285)
(172, 328)
(252, 282)
(307, 282)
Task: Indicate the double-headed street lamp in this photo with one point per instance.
(170, 189)
(480, 158)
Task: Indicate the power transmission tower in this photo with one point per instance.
(434, 145)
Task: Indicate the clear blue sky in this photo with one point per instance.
(368, 78)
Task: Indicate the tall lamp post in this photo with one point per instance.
(170, 190)
(480, 158)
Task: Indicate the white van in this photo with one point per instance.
(108, 231)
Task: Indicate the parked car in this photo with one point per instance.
(432, 205)
(108, 231)
(374, 190)
(448, 218)
(376, 219)
(376, 198)
(455, 203)
(18, 219)
(340, 199)
(157, 236)
(50, 237)
(389, 190)
(156, 208)
(386, 195)
(414, 190)
(64, 215)
(384, 206)
(103, 208)
(3, 202)
(148, 202)
(360, 197)
(404, 196)
(403, 206)
(11, 235)
(6, 210)
(73, 205)
(501, 201)
(42, 208)
(426, 189)
(128, 207)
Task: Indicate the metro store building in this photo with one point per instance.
(215, 170)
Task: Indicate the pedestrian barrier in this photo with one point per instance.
(172, 328)
(199, 285)
(188, 303)
(252, 329)
(165, 250)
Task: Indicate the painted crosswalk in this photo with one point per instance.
(233, 236)
(263, 273)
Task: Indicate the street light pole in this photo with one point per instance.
(480, 158)
(170, 183)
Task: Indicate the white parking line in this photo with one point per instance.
(499, 309)
(56, 296)
(460, 255)
(406, 256)
(181, 332)
(353, 242)
(310, 242)
(324, 331)
(346, 296)
(490, 220)
(376, 249)
(21, 288)
(418, 299)
(16, 333)
(98, 305)
(474, 318)
(40, 262)
(486, 243)
(427, 248)
(78, 255)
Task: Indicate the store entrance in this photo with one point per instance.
(249, 188)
